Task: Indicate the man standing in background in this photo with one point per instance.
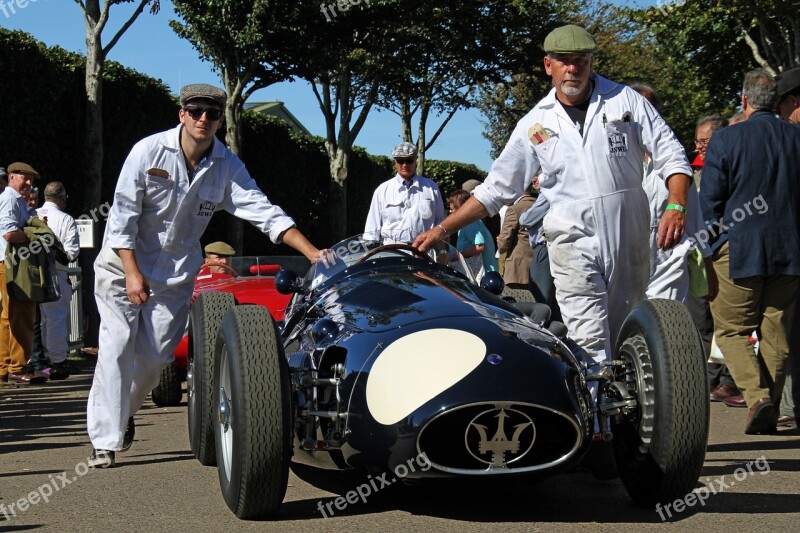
(55, 315)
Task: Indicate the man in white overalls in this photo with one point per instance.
(587, 138)
(170, 186)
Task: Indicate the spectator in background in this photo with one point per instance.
(32, 200)
(721, 384)
(218, 257)
(669, 269)
(55, 315)
(513, 242)
(18, 316)
(3, 179)
(736, 118)
(474, 240)
(405, 205)
(750, 172)
(789, 110)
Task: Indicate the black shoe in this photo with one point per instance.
(130, 432)
(101, 459)
(59, 371)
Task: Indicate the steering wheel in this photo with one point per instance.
(206, 270)
(396, 247)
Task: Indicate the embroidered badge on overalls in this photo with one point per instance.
(206, 209)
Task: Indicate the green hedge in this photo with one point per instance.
(44, 100)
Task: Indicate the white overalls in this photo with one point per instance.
(597, 226)
(159, 214)
(55, 315)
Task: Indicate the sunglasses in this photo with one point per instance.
(212, 113)
(409, 161)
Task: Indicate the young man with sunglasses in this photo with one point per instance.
(406, 205)
(170, 186)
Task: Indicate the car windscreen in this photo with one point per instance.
(354, 249)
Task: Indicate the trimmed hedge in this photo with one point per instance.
(45, 99)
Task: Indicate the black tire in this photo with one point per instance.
(253, 427)
(660, 448)
(169, 391)
(204, 319)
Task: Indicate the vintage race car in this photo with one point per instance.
(249, 280)
(387, 354)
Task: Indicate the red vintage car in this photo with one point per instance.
(251, 280)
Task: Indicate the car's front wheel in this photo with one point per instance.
(204, 319)
(660, 446)
(253, 424)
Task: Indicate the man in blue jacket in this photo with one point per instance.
(750, 199)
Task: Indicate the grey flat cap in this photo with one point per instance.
(470, 185)
(788, 81)
(203, 90)
(404, 149)
(219, 248)
(570, 39)
(22, 168)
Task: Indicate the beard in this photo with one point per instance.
(571, 87)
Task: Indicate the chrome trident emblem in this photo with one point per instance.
(499, 445)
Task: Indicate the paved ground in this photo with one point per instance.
(159, 486)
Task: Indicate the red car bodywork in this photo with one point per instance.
(254, 284)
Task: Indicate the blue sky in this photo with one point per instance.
(151, 47)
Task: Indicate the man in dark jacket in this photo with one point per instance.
(751, 199)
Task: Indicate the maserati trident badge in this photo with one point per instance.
(499, 451)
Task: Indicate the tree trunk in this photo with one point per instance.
(94, 122)
(423, 122)
(337, 203)
(233, 138)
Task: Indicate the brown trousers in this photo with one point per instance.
(16, 329)
(744, 305)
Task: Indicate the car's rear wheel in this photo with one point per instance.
(204, 319)
(253, 427)
(660, 447)
(169, 391)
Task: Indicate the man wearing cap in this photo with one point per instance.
(789, 94)
(55, 315)
(218, 256)
(588, 138)
(789, 110)
(18, 316)
(406, 205)
(169, 187)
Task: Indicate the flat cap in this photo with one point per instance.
(219, 248)
(404, 149)
(570, 39)
(22, 168)
(788, 81)
(203, 90)
(470, 185)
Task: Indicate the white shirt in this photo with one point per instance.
(13, 216)
(65, 229)
(620, 127)
(399, 213)
(163, 218)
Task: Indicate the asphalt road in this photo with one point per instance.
(158, 485)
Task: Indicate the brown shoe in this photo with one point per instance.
(26, 376)
(787, 421)
(762, 418)
(723, 391)
(735, 401)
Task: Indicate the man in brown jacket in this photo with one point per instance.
(513, 242)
